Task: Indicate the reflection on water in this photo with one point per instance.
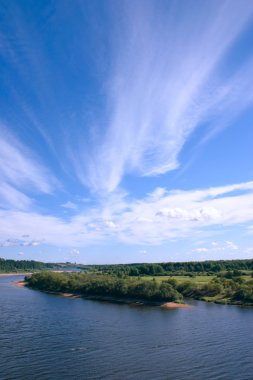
(49, 337)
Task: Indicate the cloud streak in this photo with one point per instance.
(21, 171)
(20, 167)
(166, 82)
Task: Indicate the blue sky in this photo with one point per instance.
(126, 130)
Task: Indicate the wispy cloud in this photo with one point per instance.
(201, 249)
(217, 247)
(163, 78)
(12, 198)
(166, 82)
(188, 215)
(69, 205)
(20, 173)
(13, 242)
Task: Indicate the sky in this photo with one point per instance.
(126, 130)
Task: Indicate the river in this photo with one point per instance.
(47, 337)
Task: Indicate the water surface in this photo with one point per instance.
(50, 337)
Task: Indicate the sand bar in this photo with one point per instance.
(69, 295)
(174, 305)
(20, 283)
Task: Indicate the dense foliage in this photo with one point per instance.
(98, 285)
(236, 289)
(177, 268)
(12, 266)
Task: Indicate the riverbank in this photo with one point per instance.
(15, 274)
(138, 291)
(138, 302)
(119, 300)
(228, 302)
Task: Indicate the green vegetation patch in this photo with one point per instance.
(179, 279)
(226, 288)
(87, 284)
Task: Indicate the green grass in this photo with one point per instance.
(247, 277)
(196, 279)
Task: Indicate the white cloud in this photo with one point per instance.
(20, 173)
(10, 242)
(110, 224)
(69, 205)
(33, 243)
(11, 197)
(74, 252)
(165, 83)
(15, 242)
(201, 249)
(216, 247)
(137, 221)
(249, 252)
(190, 214)
(231, 245)
(250, 229)
(144, 219)
(19, 167)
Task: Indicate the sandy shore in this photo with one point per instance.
(174, 305)
(69, 295)
(20, 283)
(14, 274)
(131, 302)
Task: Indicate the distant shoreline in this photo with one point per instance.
(15, 274)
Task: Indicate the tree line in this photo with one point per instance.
(174, 268)
(7, 266)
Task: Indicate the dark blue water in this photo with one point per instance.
(47, 337)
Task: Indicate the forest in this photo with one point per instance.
(230, 288)
(15, 266)
(88, 284)
(173, 268)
